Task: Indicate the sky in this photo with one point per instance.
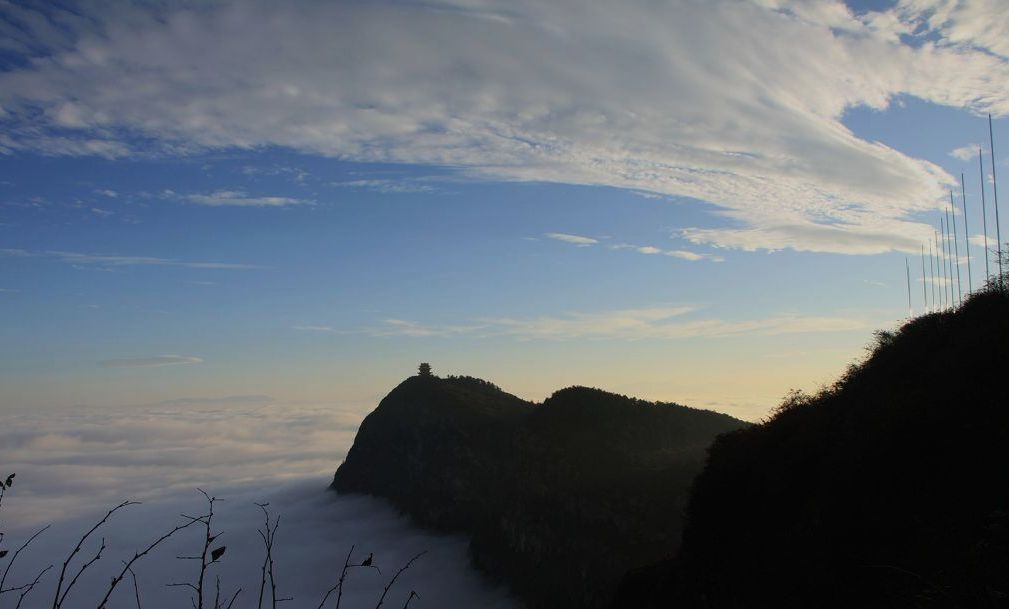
(701, 202)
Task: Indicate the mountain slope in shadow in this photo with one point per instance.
(888, 489)
(561, 499)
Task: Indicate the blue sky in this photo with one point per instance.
(306, 200)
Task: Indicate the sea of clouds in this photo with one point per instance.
(73, 465)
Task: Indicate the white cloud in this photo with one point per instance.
(648, 250)
(661, 323)
(315, 328)
(656, 324)
(234, 198)
(297, 175)
(108, 262)
(979, 240)
(73, 465)
(733, 102)
(387, 186)
(977, 24)
(578, 240)
(692, 256)
(965, 153)
(102, 213)
(107, 192)
(401, 327)
(812, 237)
(151, 362)
(651, 250)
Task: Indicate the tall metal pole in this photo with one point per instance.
(942, 261)
(994, 186)
(924, 284)
(984, 218)
(956, 249)
(949, 263)
(931, 266)
(966, 234)
(907, 272)
(941, 264)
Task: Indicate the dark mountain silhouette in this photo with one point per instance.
(888, 489)
(560, 499)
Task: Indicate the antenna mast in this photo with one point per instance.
(956, 249)
(946, 279)
(966, 234)
(994, 186)
(984, 217)
(941, 264)
(931, 266)
(907, 272)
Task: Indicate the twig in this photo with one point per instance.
(58, 598)
(73, 581)
(232, 601)
(31, 586)
(339, 584)
(338, 588)
(137, 556)
(208, 538)
(413, 595)
(14, 558)
(395, 577)
(266, 559)
(207, 521)
(267, 534)
(136, 588)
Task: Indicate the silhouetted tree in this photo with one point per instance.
(424, 369)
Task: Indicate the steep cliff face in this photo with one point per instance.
(889, 489)
(560, 499)
(426, 443)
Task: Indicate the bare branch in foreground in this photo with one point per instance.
(395, 577)
(136, 588)
(3, 578)
(137, 556)
(59, 598)
(413, 595)
(31, 586)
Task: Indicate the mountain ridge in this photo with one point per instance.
(887, 489)
(560, 499)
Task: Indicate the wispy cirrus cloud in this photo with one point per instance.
(237, 198)
(388, 186)
(110, 261)
(657, 323)
(618, 97)
(578, 240)
(315, 328)
(402, 327)
(151, 362)
(651, 250)
(648, 250)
